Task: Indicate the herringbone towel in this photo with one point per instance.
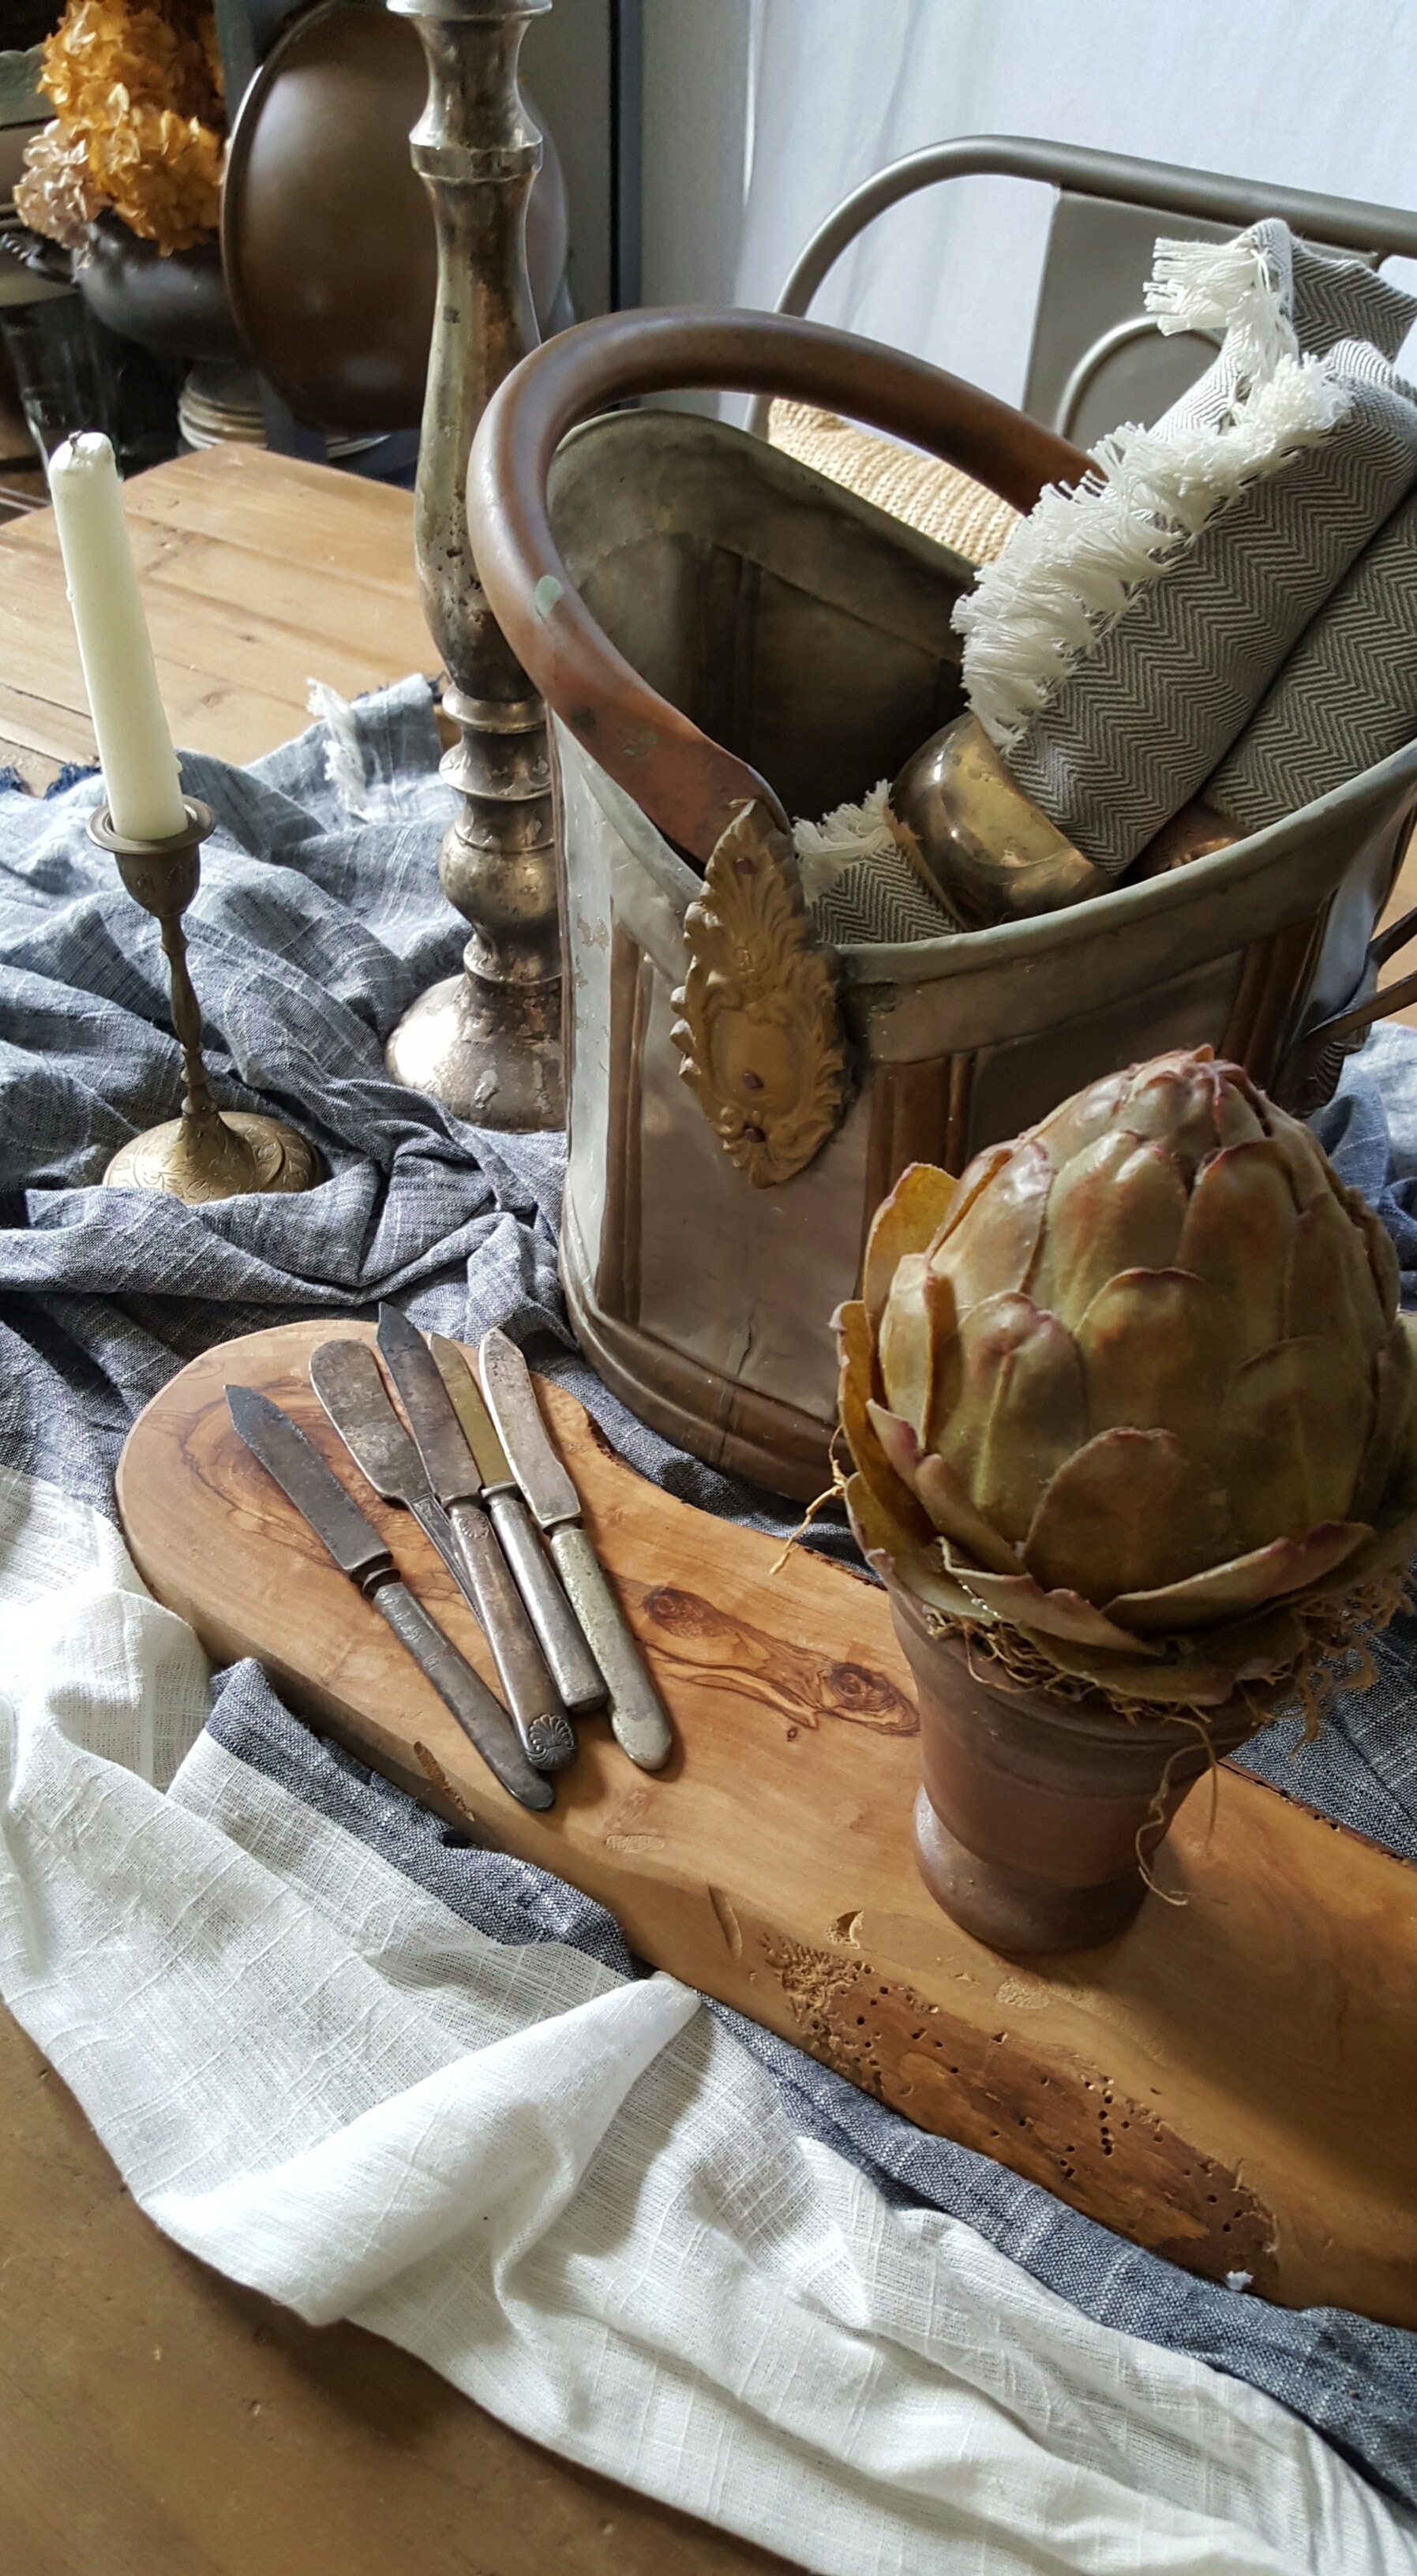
(858, 882)
(1346, 697)
(1116, 648)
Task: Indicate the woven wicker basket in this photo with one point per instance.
(921, 491)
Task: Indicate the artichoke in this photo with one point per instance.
(1136, 1388)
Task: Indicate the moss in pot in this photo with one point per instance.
(1131, 1412)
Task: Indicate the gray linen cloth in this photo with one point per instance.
(311, 934)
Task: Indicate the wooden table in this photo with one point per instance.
(154, 2420)
(259, 574)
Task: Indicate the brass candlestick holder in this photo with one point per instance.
(207, 1153)
(487, 1043)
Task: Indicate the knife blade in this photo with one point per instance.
(463, 1456)
(357, 1549)
(637, 1715)
(350, 1385)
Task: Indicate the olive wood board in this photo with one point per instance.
(1232, 2082)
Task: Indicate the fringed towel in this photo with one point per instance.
(1222, 607)
(858, 881)
(1117, 646)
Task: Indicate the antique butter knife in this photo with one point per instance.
(359, 1552)
(465, 1460)
(350, 1385)
(636, 1714)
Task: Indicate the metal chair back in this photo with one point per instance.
(1097, 358)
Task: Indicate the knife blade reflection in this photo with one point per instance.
(349, 1383)
(296, 1466)
(463, 1456)
(637, 1715)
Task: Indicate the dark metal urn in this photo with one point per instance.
(1035, 1812)
(173, 303)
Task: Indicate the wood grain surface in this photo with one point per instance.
(1233, 2083)
(155, 2420)
(259, 574)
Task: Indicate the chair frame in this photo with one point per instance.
(1210, 196)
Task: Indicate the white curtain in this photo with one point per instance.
(1315, 94)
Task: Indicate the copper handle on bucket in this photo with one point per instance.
(687, 784)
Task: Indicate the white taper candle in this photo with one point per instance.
(140, 774)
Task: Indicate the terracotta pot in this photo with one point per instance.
(1027, 1823)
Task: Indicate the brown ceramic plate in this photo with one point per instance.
(327, 233)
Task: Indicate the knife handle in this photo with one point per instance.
(457, 1685)
(574, 1669)
(547, 1736)
(637, 1717)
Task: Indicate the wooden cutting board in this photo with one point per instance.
(1233, 2083)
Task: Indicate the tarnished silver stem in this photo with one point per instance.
(488, 1042)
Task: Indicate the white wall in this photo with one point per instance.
(695, 125)
(697, 56)
(1317, 94)
(696, 82)
(803, 98)
(696, 60)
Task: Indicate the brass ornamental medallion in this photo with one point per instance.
(758, 1026)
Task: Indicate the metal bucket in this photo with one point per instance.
(808, 635)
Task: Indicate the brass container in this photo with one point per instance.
(985, 848)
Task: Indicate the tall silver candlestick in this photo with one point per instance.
(488, 1042)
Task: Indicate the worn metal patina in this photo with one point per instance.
(637, 1716)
